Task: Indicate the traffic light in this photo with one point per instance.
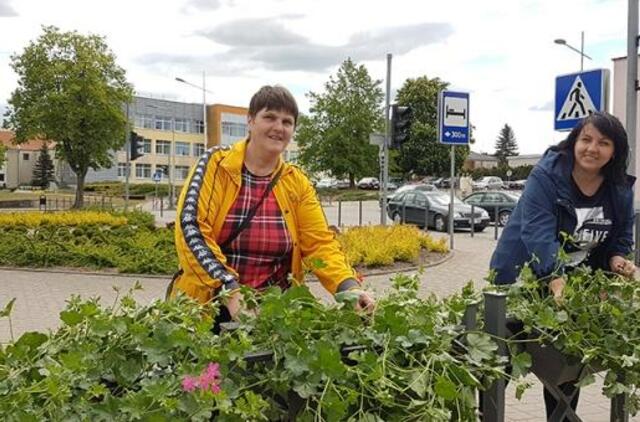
(136, 144)
(400, 125)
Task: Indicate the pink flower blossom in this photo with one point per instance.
(189, 383)
(208, 380)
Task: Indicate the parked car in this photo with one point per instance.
(492, 201)
(488, 182)
(416, 207)
(516, 184)
(343, 184)
(445, 182)
(369, 183)
(327, 183)
(418, 186)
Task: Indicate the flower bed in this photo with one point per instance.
(130, 243)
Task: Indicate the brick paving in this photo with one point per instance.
(42, 295)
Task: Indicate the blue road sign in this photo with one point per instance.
(578, 95)
(157, 176)
(453, 118)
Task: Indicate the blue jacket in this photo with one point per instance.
(546, 209)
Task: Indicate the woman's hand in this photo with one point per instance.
(556, 287)
(622, 266)
(236, 306)
(365, 301)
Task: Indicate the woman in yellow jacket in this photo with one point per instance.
(246, 217)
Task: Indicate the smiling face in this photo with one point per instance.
(271, 130)
(592, 150)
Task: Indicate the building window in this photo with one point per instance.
(182, 172)
(234, 129)
(163, 123)
(163, 147)
(25, 156)
(143, 171)
(182, 125)
(144, 121)
(198, 149)
(146, 144)
(122, 169)
(182, 148)
(199, 126)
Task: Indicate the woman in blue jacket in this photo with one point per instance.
(579, 187)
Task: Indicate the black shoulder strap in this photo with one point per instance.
(252, 212)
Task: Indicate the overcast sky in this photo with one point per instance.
(500, 51)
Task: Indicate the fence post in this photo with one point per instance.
(404, 210)
(102, 206)
(57, 203)
(495, 324)
(495, 222)
(426, 217)
(473, 219)
(339, 213)
(637, 237)
(161, 205)
(360, 212)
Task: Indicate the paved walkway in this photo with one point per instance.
(42, 295)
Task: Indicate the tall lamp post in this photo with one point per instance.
(204, 102)
(562, 41)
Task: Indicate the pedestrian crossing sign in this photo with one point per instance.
(578, 95)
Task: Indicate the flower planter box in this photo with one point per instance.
(554, 367)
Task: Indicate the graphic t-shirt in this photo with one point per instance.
(594, 224)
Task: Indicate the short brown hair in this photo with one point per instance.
(273, 98)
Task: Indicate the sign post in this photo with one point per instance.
(453, 129)
(157, 177)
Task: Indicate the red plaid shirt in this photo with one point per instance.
(261, 254)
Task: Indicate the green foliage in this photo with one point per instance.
(506, 145)
(137, 247)
(130, 362)
(70, 91)
(3, 154)
(117, 188)
(422, 153)
(334, 137)
(43, 168)
(593, 324)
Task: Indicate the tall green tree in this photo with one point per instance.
(43, 168)
(71, 91)
(506, 145)
(422, 153)
(334, 137)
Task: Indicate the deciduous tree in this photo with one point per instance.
(334, 137)
(71, 91)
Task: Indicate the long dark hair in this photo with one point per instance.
(610, 127)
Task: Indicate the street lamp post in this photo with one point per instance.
(562, 41)
(204, 102)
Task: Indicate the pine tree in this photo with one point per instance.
(43, 168)
(506, 145)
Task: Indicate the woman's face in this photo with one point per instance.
(592, 150)
(271, 130)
